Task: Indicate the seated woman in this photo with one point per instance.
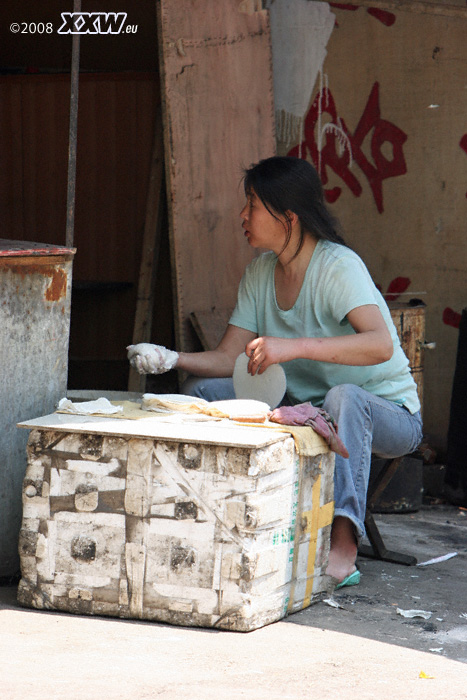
(310, 304)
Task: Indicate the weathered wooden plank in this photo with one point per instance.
(210, 326)
(149, 253)
(217, 96)
(410, 326)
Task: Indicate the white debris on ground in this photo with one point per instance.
(437, 560)
(414, 613)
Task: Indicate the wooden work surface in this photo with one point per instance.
(218, 114)
(156, 427)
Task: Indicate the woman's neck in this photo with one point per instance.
(292, 264)
(290, 272)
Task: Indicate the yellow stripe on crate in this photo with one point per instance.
(317, 517)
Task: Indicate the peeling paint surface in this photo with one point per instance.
(53, 274)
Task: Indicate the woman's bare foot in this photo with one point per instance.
(343, 549)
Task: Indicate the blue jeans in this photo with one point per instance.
(367, 424)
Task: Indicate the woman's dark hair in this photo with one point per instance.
(285, 184)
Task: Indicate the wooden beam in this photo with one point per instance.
(73, 135)
(150, 252)
(417, 6)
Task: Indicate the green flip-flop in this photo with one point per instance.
(352, 579)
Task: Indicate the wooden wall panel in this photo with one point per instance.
(115, 136)
(218, 108)
(115, 133)
(44, 152)
(11, 167)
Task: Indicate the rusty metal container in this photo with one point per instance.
(35, 295)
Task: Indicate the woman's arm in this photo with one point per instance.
(219, 362)
(371, 344)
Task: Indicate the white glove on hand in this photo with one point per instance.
(151, 359)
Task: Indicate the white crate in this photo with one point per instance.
(208, 525)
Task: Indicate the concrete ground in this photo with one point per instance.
(361, 649)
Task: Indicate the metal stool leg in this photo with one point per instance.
(377, 548)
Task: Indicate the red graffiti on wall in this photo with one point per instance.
(451, 317)
(344, 6)
(463, 145)
(337, 148)
(387, 18)
(396, 287)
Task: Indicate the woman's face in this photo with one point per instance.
(262, 230)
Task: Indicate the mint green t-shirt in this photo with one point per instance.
(336, 281)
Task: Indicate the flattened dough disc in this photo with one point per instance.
(268, 387)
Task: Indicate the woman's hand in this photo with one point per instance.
(151, 359)
(267, 350)
(371, 344)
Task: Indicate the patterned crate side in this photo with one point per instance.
(181, 533)
(74, 526)
(316, 509)
(208, 505)
(284, 570)
(224, 556)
